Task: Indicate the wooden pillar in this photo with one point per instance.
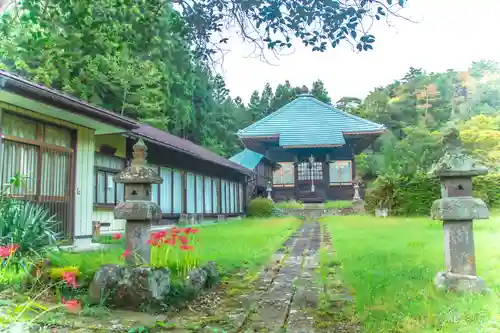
(296, 176)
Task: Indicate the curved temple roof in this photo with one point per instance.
(307, 121)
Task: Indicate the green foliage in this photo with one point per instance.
(274, 24)
(260, 207)
(403, 195)
(289, 204)
(487, 187)
(338, 204)
(27, 224)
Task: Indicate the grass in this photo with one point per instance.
(390, 264)
(245, 244)
(338, 204)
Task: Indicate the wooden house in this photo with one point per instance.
(68, 151)
(262, 168)
(314, 144)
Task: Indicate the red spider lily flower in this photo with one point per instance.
(117, 236)
(70, 279)
(187, 231)
(72, 305)
(126, 253)
(184, 240)
(175, 230)
(159, 234)
(4, 252)
(9, 250)
(186, 248)
(170, 241)
(195, 231)
(153, 242)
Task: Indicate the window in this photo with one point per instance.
(240, 197)
(341, 172)
(208, 195)
(190, 190)
(223, 196)
(177, 183)
(284, 176)
(39, 152)
(215, 194)
(106, 191)
(166, 191)
(199, 194)
(305, 172)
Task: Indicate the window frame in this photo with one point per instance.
(351, 163)
(42, 146)
(282, 184)
(106, 171)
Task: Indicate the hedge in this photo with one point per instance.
(414, 195)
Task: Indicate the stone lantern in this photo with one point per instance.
(269, 190)
(457, 209)
(138, 210)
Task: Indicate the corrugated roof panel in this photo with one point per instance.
(247, 158)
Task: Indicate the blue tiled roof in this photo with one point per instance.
(307, 121)
(247, 158)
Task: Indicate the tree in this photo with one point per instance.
(283, 95)
(319, 91)
(348, 104)
(123, 65)
(221, 92)
(255, 106)
(265, 100)
(272, 24)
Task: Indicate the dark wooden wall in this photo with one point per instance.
(170, 158)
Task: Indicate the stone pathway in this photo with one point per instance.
(285, 297)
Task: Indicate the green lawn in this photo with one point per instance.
(248, 243)
(389, 265)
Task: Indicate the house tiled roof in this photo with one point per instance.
(307, 121)
(19, 85)
(247, 158)
(168, 140)
(16, 84)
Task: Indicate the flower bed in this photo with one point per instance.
(60, 281)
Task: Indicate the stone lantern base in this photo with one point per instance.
(448, 281)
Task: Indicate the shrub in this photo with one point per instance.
(26, 224)
(278, 212)
(290, 204)
(487, 187)
(338, 204)
(403, 195)
(260, 207)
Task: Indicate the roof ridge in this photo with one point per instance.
(346, 113)
(269, 116)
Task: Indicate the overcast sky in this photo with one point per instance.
(451, 34)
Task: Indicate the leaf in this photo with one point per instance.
(359, 47)
(354, 34)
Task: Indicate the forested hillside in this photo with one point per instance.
(142, 59)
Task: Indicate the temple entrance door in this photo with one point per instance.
(310, 182)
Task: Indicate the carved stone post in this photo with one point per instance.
(356, 196)
(269, 190)
(138, 209)
(457, 208)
